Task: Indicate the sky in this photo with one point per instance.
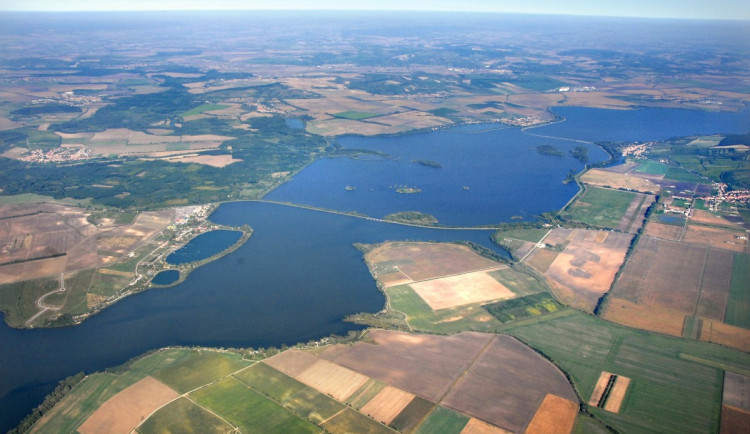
(691, 9)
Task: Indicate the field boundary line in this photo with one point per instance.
(334, 415)
(703, 279)
(536, 245)
(468, 368)
(714, 364)
(185, 395)
(494, 268)
(237, 429)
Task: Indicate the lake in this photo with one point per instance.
(204, 246)
(166, 277)
(299, 274)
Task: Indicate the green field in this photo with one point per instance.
(183, 416)
(651, 167)
(298, 398)
(355, 115)
(600, 207)
(199, 368)
(422, 318)
(365, 393)
(203, 108)
(94, 390)
(682, 175)
(520, 283)
(350, 421)
(37, 198)
(443, 421)
(248, 410)
(738, 305)
(412, 415)
(667, 393)
(524, 307)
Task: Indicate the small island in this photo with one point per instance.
(549, 150)
(412, 217)
(408, 190)
(428, 163)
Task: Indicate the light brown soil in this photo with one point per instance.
(555, 416)
(541, 259)
(422, 261)
(387, 404)
(291, 362)
(208, 160)
(705, 217)
(588, 264)
(617, 394)
(608, 178)
(332, 379)
(717, 238)
(661, 230)
(124, 411)
(460, 290)
(476, 426)
(601, 385)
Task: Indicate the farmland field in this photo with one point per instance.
(247, 409)
(199, 368)
(420, 316)
(666, 283)
(587, 265)
(182, 415)
(738, 307)
(461, 372)
(300, 399)
(603, 207)
(443, 421)
(124, 411)
(666, 390)
(612, 179)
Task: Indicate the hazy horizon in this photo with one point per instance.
(671, 9)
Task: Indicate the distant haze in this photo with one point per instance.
(689, 9)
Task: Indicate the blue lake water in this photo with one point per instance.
(487, 175)
(166, 277)
(299, 274)
(204, 246)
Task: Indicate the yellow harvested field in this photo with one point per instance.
(123, 412)
(610, 178)
(617, 394)
(725, 334)
(460, 290)
(208, 160)
(291, 362)
(387, 404)
(476, 426)
(332, 379)
(601, 385)
(556, 415)
(646, 317)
